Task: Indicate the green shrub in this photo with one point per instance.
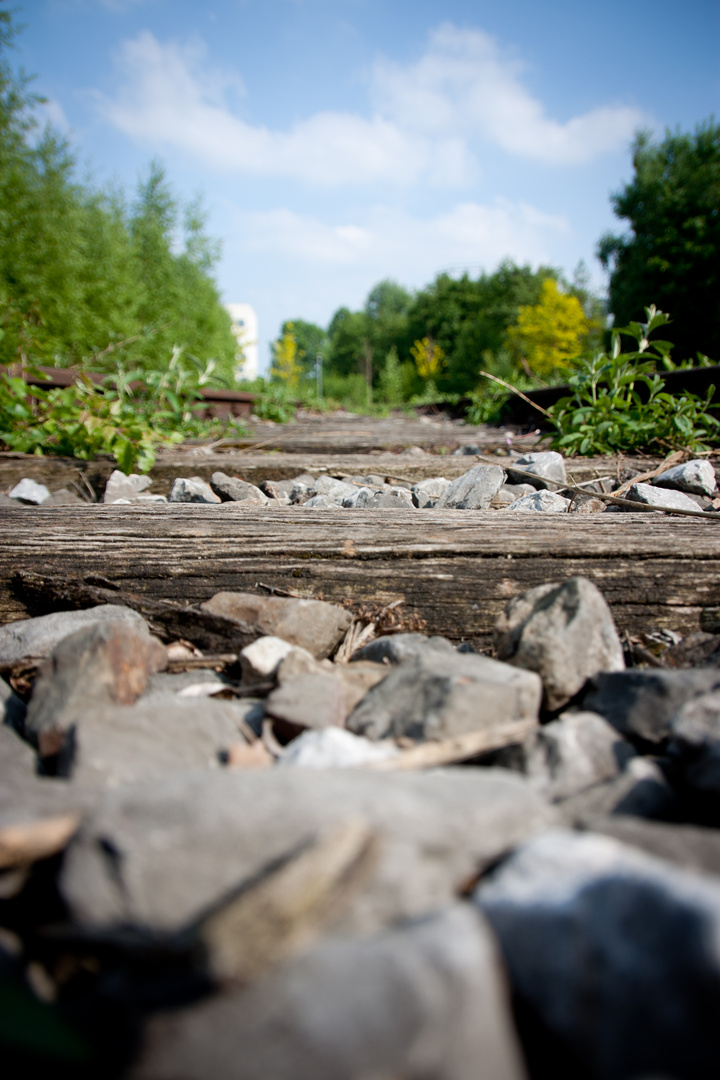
(606, 414)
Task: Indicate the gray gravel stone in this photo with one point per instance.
(660, 497)
(105, 663)
(115, 745)
(29, 491)
(425, 1000)
(320, 699)
(474, 490)
(565, 632)
(543, 501)
(183, 842)
(321, 502)
(394, 648)
(12, 708)
(691, 846)
(641, 790)
(426, 492)
(192, 490)
(434, 695)
(120, 486)
(38, 637)
(233, 489)
(335, 490)
(642, 703)
(544, 463)
(312, 624)
(574, 752)
(396, 499)
(615, 952)
(696, 477)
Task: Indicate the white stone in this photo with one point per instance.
(263, 657)
(547, 501)
(697, 477)
(335, 748)
(30, 491)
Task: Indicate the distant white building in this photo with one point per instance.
(245, 329)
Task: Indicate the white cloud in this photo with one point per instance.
(427, 119)
(464, 84)
(167, 98)
(393, 242)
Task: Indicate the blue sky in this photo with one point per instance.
(339, 142)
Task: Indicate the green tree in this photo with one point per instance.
(286, 365)
(550, 333)
(672, 255)
(90, 277)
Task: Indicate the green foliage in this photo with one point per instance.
(391, 380)
(87, 269)
(128, 414)
(275, 400)
(606, 413)
(549, 334)
(672, 206)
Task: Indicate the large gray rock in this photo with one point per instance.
(319, 699)
(546, 464)
(614, 952)
(182, 843)
(120, 486)
(661, 498)
(36, 638)
(281, 490)
(311, 624)
(115, 745)
(640, 790)
(192, 489)
(474, 490)
(106, 663)
(424, 1000)
(544, 502)
(570, 754)
(435, 695)
(691, 846)
(696, 477)
(394, 648)
(233, 489)
(695, 744)
(565, 632)
(29, 491)
(427, 492)
(642, 703)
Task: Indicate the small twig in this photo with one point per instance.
(519, 393)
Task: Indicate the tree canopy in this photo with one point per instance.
(671, 257)
(84, 274)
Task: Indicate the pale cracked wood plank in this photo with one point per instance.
(455, 570)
